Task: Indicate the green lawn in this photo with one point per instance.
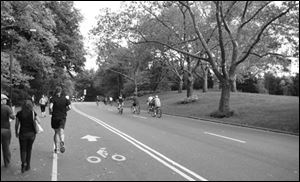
(258, 110)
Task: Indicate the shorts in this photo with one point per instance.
(57, 123)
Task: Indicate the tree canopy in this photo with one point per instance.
(43, 38)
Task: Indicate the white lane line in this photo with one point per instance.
(148, 150)
(54, 167)
(139, 117)
(225, 137)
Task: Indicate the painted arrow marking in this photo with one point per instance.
(90, 138)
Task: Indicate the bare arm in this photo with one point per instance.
(37, 118)
(51, 107)
(12, 113)
(17, 127)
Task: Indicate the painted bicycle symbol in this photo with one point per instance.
(103, 153)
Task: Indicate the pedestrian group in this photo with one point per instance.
(25, 121)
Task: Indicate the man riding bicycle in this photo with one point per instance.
(97, 100)
(120, 101)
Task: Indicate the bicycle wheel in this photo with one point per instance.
(153, 112)
(132, 109)
(159, 113)
(121, 110)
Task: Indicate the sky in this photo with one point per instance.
(89, 10)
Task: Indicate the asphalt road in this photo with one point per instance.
(104, 145)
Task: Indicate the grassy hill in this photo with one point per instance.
(257, 110)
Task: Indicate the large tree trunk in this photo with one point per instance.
(190, 84)
(135, 88)
(205, 73)
(233, 84)
(224, 109)
(180, 84)
(190, 80)
(225, 96)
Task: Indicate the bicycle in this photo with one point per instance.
(156, 112)
(150, 108)
(136, 109)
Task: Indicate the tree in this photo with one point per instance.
(30, 49)
(84, 80)
(69, 52)
(175, 63)
(241, 26)
(18, 77)
(130, 60)
(55, 46)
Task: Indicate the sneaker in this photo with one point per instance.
(27, 168)
(62, 148)
(22, 168)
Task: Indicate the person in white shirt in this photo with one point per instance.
(157, 102)
(43, 102)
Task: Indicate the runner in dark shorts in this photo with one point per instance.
(57, 123)
(59, 105)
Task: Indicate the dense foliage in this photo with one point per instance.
(44, 41)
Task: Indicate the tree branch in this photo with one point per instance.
(173, 48)
(162, 22)
(244, 12)
(203, 42)
(257, 39)
(268, 53)
(128, 77)
(244, 23)
(223, 53)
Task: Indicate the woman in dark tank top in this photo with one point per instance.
(26, 134)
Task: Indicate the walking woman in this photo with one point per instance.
(27, 133)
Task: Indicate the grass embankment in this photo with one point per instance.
(257, 110)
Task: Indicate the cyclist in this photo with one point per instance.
(97, 100)
(135, 104)
(120, 102)
(157, 104)
(149, 103)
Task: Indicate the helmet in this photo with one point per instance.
(156, 96)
